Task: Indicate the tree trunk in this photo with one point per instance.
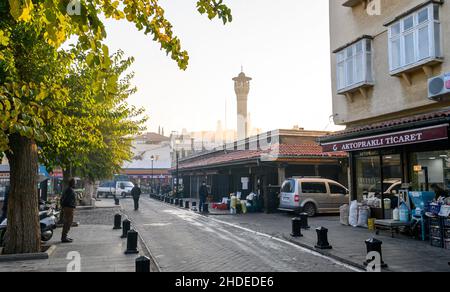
(89, 189)
(23, 231)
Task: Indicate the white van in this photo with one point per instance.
(115, 188)
(312, 196)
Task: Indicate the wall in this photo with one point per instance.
(391, 97)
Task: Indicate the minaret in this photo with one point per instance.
(242, 88)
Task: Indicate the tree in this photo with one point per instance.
(32, 93)
(95, 143)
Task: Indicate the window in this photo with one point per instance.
(415, 39)
(354, 65)
(314, 188)
(437, 165)
(337, 189)
(288, 187)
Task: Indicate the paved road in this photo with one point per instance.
(184, 241)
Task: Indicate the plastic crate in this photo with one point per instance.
(435, 232)
(436, 242)
(447, 244)
(447, 233)
(435, 221)
(446, 222)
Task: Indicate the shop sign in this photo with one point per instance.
(390, 140)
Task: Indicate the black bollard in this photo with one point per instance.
(116, 201)
(296, 228)
(304, 221)
(194, 204)
(175, 202)
(374, 245)
(142, 265)
(322, 238)
(181, 203)
(117, 221)
(186, 204)
(205, 208)
(132, 240)
(126, 226)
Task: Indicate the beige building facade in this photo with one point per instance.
(388, 94)
(390, 64)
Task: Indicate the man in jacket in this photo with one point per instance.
(136, 194)
(203, 194)
(68, 204)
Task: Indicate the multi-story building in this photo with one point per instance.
(390, 71)
(151, 161)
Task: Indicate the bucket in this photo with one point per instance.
(371, 223)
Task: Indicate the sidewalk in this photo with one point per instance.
(100, 247)
(401, 254)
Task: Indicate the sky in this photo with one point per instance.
(284, 47)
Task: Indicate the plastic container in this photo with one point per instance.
(387, 204)
(404, 213)
(371, 223)
(396, 214)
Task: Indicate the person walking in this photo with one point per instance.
(203, 194)
(68, 204)
(136, 194)
(5, 206)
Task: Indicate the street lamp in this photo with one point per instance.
(152, 159)
(177, 143)
(176, 185)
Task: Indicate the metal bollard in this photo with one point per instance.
(322, 238)
(181, 203)
(186, 204)
(116, 201)
(126, 226)
(143, 265)
(132, 240)
(194, 204)
(296, 228)
(374, 245)
(117, 222)
(304, 221)
(205, 208)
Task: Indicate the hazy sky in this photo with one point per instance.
(283, 45)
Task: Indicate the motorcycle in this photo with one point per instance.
(47, 220)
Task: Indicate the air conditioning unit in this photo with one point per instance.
(439, 87)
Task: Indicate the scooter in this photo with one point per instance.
(47, 219)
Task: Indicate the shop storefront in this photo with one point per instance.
(409, 154)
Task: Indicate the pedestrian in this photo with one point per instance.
(136, 194)
(68, 204)
(5, 205)
(203, 194)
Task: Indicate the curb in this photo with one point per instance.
(29, 256)
(325, 253)
(146, 249)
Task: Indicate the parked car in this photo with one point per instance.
(312, 196)
(115, 188)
